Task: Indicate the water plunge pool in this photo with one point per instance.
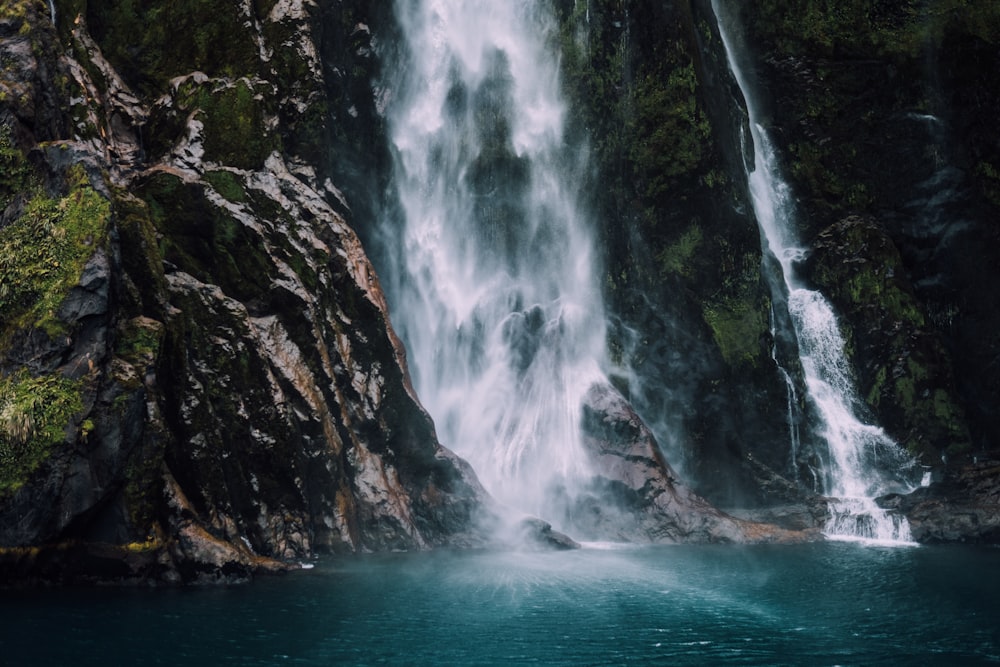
(825, 603)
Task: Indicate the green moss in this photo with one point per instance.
(143, 282)
(227, 184)
(16, 174)
(43, 252)
(204, 240)
(235, 133)
(233, 115)
(864, 270)
(906, 393)
(18, 9)
(676, 258)
(878, 384)
(863, 27)
(151, 41)
(737, 327)
(989, 179)
(139, 340)
(668, 130)
(35, 414)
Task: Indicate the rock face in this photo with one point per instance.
(648, 502)
(964, 506)
(683, 270)
(904, 371)
(878, 116)
(209, 385)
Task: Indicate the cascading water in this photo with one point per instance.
(491, 270)
(863, 461)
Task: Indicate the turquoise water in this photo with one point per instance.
(821, 604)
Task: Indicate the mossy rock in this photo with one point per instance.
(43, 252)
(903, 370)
(150, 43)
(860, 28)
(143, 282)
(37, 416)
(740, 330)
(204, 240)
(234, 115)
(16, 175)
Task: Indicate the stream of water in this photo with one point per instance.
(863, 462)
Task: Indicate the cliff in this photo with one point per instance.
(199, 378)
(880, 119)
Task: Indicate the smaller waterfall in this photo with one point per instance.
(791, 393)
(863, 462)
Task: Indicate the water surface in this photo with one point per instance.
(823, 604)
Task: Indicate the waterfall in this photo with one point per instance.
(863, 462)
(490, 266)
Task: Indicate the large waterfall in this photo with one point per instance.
(862, 462)
(492, 273)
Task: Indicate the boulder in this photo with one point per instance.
(635, 495)
(962, 506)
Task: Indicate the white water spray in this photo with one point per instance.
(859, 453)
(492, 277)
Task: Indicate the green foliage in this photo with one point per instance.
(869, 27)
(15, 172)
(667, 131)
(43, 252)
(35, 414)
(852, 64)
(18, 9)
(152, 41)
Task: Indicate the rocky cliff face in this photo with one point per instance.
(199, 379)
(879, 113)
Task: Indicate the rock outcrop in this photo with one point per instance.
(635, 494)
(962, 506)
(198, 378)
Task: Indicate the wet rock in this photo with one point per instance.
(904, 372)
(540, 534)
(636, 496)
(789, 505)
(962, 506)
